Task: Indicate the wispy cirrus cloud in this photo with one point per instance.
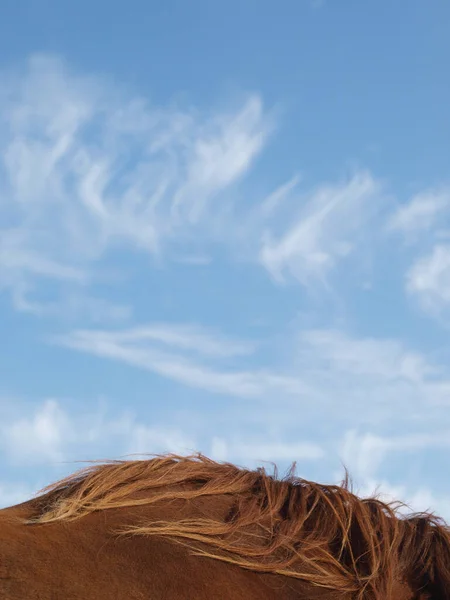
(328, 228)
(368, 380)
(88, 169)
(368, 357)
(424, 224)
(428, 280)
(422, 214)
(182, 336)
(162, 349)
(328, 369)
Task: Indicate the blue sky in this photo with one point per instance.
(225, 227)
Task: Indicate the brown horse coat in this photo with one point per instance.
(177, 528)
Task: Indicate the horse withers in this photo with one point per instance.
(189, 528)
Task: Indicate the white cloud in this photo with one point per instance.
(137, 348)
(182, 336)
(419, 500)
(53, 433)
(429, 280)
(220, 157)
(197, 260)
(421, 213)
(330, 225)
(425, 222)
(15, 257)
(74, 304)
(267, 450)
(283, 193)
(369, 358)
(364, 454)
(145, 440)
(37, 438)
(367, 380)
(359, 379)
(87, 168)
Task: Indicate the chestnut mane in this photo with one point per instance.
(321, 534)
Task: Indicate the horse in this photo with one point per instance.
(176, 527)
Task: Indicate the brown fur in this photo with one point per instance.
(321, 538)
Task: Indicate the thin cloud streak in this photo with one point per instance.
(183, 336)
(249, 384)
(363, 379)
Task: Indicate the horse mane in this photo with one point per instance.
(322, 534)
